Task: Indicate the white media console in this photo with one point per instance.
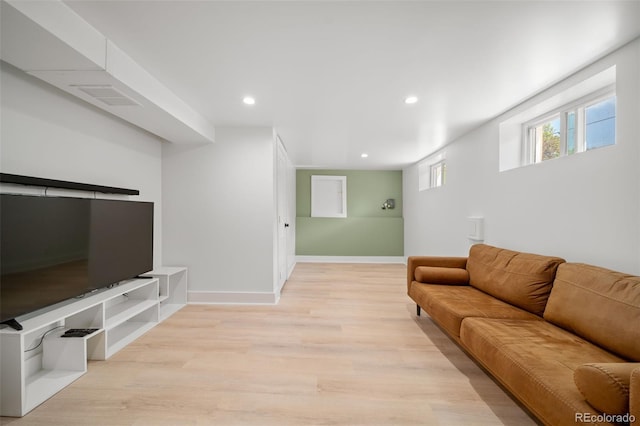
(36, 362)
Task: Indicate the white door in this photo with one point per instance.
(284, 224)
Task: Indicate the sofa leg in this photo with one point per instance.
(417, 310)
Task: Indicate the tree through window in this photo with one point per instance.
(546, 137)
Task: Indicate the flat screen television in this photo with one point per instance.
(57, 248)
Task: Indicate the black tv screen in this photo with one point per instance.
(56, 248)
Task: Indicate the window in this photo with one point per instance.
(560, 121)
(432, 172)
(328, 196)
(438, 174)
(544, 138)
(600, 123)
(584, 125)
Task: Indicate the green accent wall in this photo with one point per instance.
(368, 230)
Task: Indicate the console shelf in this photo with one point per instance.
(124, 334)
(39, 386)
(125, 310)
(173, 289)
(36, 362)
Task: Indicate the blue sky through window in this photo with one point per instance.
(601, 124)
(555, 124)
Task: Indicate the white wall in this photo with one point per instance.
(219, 213)
(585, 207)
(48, 133)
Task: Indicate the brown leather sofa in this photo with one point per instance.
(563, 338)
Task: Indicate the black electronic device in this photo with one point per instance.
(56, 248)
(79, 332)
(74, 335)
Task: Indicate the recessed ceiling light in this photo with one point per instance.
(248, 100)
(364, 155)
(410, 100)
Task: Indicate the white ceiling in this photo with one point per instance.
(331, 76)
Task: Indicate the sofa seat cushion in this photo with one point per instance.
(449, 305)
(521, 279)
(536, 361)
(601, 305)
(439, 275)
(606, 385)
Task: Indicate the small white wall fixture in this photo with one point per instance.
(476, 229)
(328, 196)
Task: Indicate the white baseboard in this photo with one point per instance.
(351, 259)
(231, 298)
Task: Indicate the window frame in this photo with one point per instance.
(425, 171)
(433, 174)
(335, 192)
(529, 136)
(578, 107)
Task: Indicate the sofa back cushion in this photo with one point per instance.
(521, 279)
(599, 305)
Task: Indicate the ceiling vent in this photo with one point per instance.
(107, 94)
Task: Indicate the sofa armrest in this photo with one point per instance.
(607, 387)
(438, 261)
(634, 397)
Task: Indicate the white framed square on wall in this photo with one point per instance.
(476, 228)
(328, 196)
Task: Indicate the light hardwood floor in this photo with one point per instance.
(342, 347)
